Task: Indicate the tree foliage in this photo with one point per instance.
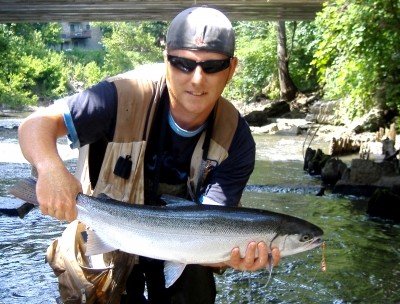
(359, 51)
(33, 71)
(85, 66)
(29, 69)
(256, 48)
(129, 44)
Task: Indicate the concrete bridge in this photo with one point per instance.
(152, 10)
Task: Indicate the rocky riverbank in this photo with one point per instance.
(374, 173)
(320, 118)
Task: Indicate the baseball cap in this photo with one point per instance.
(201, 28)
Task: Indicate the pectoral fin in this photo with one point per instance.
(172, 272)
(96, 245)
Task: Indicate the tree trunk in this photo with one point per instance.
(288, 89)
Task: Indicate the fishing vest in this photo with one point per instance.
(137, 103)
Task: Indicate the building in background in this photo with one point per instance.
(80, 35)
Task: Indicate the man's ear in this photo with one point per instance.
(165, 53)
(232, 67)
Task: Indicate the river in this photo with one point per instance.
(362, 254)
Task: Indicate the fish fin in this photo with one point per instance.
(173, 201)
(96, 245)
(24, 209)
(25, 189)
(172, 272)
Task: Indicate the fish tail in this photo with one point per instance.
(25, 189)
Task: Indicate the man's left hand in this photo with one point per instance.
(256, 257)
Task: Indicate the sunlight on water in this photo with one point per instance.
(285, 148)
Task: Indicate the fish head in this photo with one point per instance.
(296, 237)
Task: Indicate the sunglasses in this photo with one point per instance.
(209, 66)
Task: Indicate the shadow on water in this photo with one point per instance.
(362, 255)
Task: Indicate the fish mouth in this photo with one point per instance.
(316, 242)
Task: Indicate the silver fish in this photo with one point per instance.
(182, 232)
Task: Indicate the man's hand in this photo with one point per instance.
(56, 188)
(56, 191)
(253, 261)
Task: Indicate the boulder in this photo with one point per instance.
(366, 176)
(314, 161)
(257, 119)
(272, 110)
(333, 171)
(277, 109)
(323, 112)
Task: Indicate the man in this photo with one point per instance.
(176, 135)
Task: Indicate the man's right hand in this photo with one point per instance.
(56, 191)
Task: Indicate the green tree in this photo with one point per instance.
(29, 69)
(256, 49)
(288, 89)
(257, 68)
(301, 47)
(358, 52)
(129, 44)
(85, 67)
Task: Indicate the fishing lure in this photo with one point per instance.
(323, 262)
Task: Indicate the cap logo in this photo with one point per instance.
(199, 41)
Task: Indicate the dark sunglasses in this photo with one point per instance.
(209, 66)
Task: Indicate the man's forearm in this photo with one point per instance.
(38, 135)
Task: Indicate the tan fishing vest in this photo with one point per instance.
(137, 101)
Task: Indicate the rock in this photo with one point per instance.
(257, 118)
(323, 112)
(281, 126)
(365, 176)
(373, 120)
(292, 130)
(367, 172)
(388, 149)
(277, 109)
(268, 129)
(314, 161)
(333, 171)
(343, 146)
(272, 110)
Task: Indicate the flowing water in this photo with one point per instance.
(362, 254)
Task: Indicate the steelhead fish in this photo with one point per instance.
(182, 232)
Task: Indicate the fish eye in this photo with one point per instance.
(305, 238)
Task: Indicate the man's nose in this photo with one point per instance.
(198, 74)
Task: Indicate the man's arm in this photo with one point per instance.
(56, 187)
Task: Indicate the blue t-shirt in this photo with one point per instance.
(91, 115)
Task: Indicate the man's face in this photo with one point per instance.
(194, 93)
